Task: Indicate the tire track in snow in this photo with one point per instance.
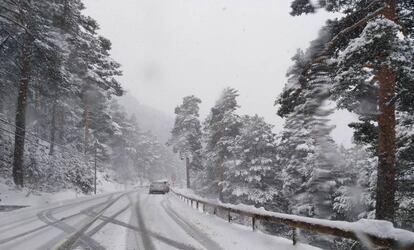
(190, 229)
(84, 241)
(146, 240)
(37, 229)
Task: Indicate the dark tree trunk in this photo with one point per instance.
(20, 122)
(386, 146)
(386, 185)
(187, 170)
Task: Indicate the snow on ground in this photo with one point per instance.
(383, 229)
(12, 196)
(113, 236)
(106, 184)
(133, 220)
(230, 235)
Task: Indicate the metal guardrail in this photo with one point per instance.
(306, 223)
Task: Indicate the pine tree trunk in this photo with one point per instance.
(386, 186)
(20, 121)
(187, 170)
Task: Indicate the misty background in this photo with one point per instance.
(172, 48)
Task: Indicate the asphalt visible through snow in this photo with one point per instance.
(124, 220)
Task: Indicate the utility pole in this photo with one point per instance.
(187, 171)
(94, 179)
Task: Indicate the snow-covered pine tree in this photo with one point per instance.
(220, 129)
(154, 159)
(25, 23)
(136, 155)
(372, 46)
(123, 153)
(252, 175)
(405, 168)
(309, 155)
(186, 135)
(52, 50)
(311, 162)
(355, 197)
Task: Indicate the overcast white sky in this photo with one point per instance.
(173, 48)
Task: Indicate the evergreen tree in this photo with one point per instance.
(25, 23)
(54, 53)
(371, 46)
(309, 155)
(220, 128)
(252, 175)
(355, 196)
(186, 134)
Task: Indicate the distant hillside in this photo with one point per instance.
(148, 118)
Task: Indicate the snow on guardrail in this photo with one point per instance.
(369, 232)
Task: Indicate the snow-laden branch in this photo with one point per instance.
(349, 29)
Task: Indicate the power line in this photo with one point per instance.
(87, 161)
(36, 136)
(64, 149)
(69, 150)
(13, 133)
(28, 132)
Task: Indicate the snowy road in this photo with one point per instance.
(127, 220)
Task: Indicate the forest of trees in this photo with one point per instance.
(59, 112)
(363, 62)
(58, 108)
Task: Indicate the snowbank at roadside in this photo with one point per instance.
(12, 196)
(230, 235)
(363, 227)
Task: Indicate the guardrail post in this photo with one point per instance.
(197, 205)
(294, 236)
(192, 203)
(254, 223)
(229, 216)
